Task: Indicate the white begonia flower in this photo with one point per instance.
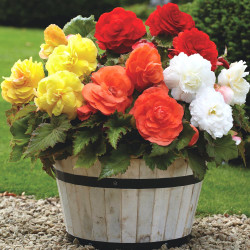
(186, 75)
(210, 113)
(233, 78)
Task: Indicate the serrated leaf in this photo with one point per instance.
(197, 164)
(161, 150)
(242, 150)
(18, 130)
(48, 135)
(137, 149)
(48, 166)
(93, 121)
(89, 154)
(161, 162)
(20, 140)
(26, 110)
(221, 149)
(163, 41)
(16, 153)
(115, 163)
(83, 138)
(30, 127)
(85, 26)
(59, 152)
(10, 114)
(185, 136)
(240, 117)
(118, 125)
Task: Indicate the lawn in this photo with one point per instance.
(225, 189)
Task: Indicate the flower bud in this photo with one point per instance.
(143, 42)
(227, 93)
(237, 139)
(195, 136)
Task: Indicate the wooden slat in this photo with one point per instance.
(129, 205)
(64, 199)
(65, 206)
(180, 168)
(192, 208)
(113, 214)
(74, 202)
(98, 208)
(85, 213)
(184, 208)
(145, 206)
(160, 207)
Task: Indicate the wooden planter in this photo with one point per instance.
(141, 209)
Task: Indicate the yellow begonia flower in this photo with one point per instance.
(53, 36)
(79, 57)
(60, 93)
(20, 87)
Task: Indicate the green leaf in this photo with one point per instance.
(48, 135)
(116, 163)
(85, 26)
(221, 149)
(18, 130)
(20, 140)
(161, 150)
(31, 125)
(48, 166)
(197, 164)
(16, 153)
(162, 162)
(83, 138)
(118, 125)
(242, 150)
(185, 136)
(89, 154)
(10, 114)
(137, 149)
(163, 41)
(93, 121)
(26, 110)
(240, 117)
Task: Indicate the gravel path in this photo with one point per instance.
(26, 223)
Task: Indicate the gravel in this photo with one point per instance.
(26, 223)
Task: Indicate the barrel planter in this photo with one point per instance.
(141, 209)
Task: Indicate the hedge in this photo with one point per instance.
(37, 13)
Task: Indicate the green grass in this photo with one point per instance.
(225, 189)
(19, 177)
